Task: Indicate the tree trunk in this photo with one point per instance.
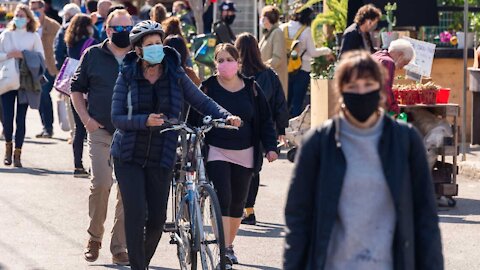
(198, 9)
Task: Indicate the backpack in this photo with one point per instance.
(291, 44)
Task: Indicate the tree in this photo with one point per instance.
(199, 7)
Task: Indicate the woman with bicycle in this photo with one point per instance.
(151, 88)
(361, 195)
(234, 156)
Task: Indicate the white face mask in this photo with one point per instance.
(261, 23)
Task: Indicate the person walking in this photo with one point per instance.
(20, 36)
(78, 38)
(95, 76)
(234, 156)
(158, 13)
(272, 45)
(153, 77)
(357, 36)
(361, 194)
(48, 30)
(223, 28)
(267, 79)
(177, 42)
(299, 80)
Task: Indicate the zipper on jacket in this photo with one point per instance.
(148, 149)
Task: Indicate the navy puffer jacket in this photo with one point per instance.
(162, 148)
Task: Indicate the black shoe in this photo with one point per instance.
(80, 173)
(228, 263)
(45, 135)
(250, 220)
(230, 254)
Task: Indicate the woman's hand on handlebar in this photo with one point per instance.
(155, 120)
(234, 121)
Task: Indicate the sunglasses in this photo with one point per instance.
(120, 28)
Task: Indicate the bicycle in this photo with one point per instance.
(197, 226)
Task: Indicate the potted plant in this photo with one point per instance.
(389, 36)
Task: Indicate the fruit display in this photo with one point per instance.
(411, 94)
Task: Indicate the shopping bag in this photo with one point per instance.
(9, 76)
(63, 115)
(204, 48)
(64, 78)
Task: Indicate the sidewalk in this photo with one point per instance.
(471, 166)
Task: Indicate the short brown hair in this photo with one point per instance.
(229, 48)
(158, 13)
(32, 26)
(367, 12)
(116, 13)
(272, 13)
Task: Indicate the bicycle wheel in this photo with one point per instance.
(186, 256)
(212, 250)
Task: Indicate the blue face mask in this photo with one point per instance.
(37, 14)
(153, 54)
(20, 22)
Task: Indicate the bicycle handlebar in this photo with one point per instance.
(208, 122)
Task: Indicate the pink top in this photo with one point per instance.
(243, 157)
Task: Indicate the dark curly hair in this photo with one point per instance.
(367, 12)
(78, 29)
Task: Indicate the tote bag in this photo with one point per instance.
(9, 76)
(64, 79)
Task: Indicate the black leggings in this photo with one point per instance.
(231, 181)
(143, 189)
(253, 191)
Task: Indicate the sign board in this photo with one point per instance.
(424, 53)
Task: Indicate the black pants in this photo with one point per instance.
(143, 190)
(253, 191)
(231, 182)
(78, 140)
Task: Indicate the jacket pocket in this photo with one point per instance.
(116, 148)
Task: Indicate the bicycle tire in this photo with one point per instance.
(213, 241)
(187, 257)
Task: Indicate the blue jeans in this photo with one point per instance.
(297, 89)
(8, 103)
(46, 108)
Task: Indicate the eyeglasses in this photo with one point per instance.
(120, 28)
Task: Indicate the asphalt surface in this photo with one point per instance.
(44, 215)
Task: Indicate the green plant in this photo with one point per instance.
(389, 17)
(336, 16)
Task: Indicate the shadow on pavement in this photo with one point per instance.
(262, 229)
(33, 171)
(17, 253)
(263, 267)
(113, 266)
(51, 229)
(461, 212)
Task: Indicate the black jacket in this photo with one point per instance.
(224, 33)
(263, 128)
(272, 88)
(316, 185)
(353, 40)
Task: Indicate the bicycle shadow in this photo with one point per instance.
(33, 171)
(262, 267)
(263, 229)
(113, 266)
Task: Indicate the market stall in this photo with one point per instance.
(427, 107)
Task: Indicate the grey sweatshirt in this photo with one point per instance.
(362, 237)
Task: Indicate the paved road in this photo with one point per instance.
(43, 216)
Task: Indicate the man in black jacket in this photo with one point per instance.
(357, 35)
(222, 28)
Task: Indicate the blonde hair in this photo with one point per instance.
(32, 25)
(116, 13)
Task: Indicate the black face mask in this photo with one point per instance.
(229, 19)
(121, 40)
(362, 106)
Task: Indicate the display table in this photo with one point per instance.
(444, 175)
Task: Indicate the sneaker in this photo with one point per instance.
(249, 220)
(230, 254)
(121, 259)
(92, 250)
(228, 264)
(44, 134)
(80, 173)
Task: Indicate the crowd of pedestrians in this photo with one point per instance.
(135, 71)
